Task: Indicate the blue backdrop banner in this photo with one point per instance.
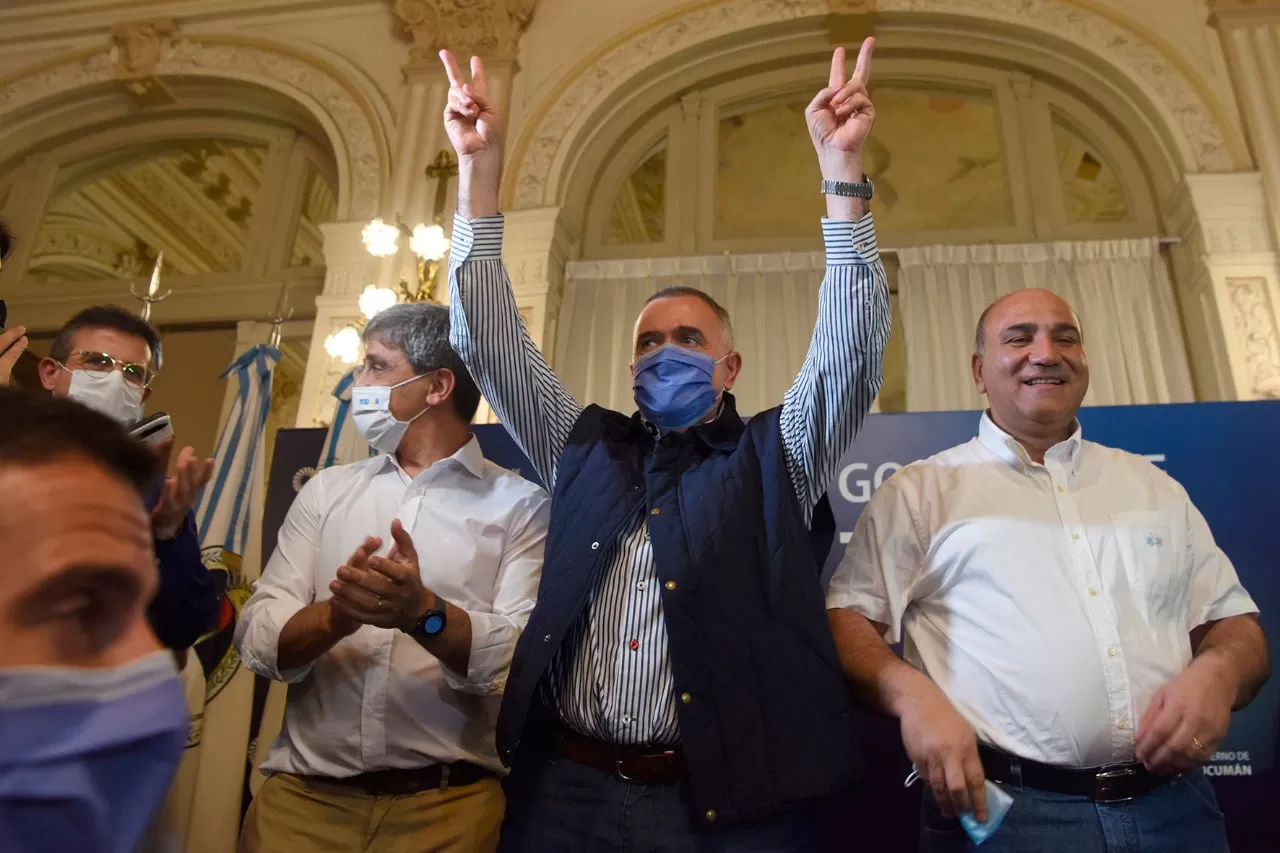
(1226, 455)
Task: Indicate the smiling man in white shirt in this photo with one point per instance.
(1071, 629)
(391, 606)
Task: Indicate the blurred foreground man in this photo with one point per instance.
(1072, 631)
(677, 688)
(92, 718)
(391, 606)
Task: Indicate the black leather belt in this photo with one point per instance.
(413, 780)
(1110, 783)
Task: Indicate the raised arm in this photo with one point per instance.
(486, 328)
(825, 407)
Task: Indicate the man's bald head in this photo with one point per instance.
(980, 334)
(1030, 362)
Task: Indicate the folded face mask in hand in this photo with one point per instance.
(998, 803)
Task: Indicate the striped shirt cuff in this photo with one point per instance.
(850, 243)
(477, 239)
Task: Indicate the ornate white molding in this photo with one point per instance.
(488, 28)
(352, 132)
(1256, 325)
(137, 48)
(1109, 41)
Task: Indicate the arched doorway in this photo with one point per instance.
(684, 141)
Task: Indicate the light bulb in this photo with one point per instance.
(344, 345)
(380, 239)
(374, 300)
(428, 242)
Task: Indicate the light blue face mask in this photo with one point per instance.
(673, 386)
(998, 803)
(87, 755)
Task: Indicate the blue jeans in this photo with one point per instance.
(1181, 816)
(559, 806)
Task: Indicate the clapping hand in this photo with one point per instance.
(386, 592)
(181, 490)
(13, 343)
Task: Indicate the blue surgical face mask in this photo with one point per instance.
(673, 386)
(87, 755)
(998, 803)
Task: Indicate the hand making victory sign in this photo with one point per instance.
(471, 120)
(840, 119)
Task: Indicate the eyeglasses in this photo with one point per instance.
(101, 362)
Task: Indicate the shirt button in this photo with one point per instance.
(657, 510)
(1061, 489)
(635, 488)
(595, 545)
(670, 585)
(546, 639)
(686, 698)
(640, 586)
(626, 719)
(1093, 590)
(1112, 651)
(1075, 536)
(633, 645)
(1121, 724)
(711, 815)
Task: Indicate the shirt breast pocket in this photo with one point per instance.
(1150, 553)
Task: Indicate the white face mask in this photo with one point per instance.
(107, 393)
(371, 411)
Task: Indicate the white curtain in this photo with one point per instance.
(1119, 288)
(772, 299)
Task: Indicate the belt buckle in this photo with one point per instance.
(1103, 781)
(622, 774)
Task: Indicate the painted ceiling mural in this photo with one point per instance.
(937, 158)
(193, 200)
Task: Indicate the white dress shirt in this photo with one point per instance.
(378, 700)
(1048, 602)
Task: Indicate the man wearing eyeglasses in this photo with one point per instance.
(106, 358)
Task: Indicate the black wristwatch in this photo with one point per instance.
(431, 623)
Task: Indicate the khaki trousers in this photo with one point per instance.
(290, 815)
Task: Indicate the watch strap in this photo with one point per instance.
(435, 616)
(861, 189)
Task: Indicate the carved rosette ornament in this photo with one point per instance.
(488, 28)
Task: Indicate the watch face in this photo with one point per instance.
(433, 624)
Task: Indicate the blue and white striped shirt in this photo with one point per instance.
(611, 678)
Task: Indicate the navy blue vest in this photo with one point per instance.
(769, 725)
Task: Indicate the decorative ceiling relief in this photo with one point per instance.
(555, 124)
(1091, 188)
(136, 51)
(1256, 325)
(488, 28)
(193, 199)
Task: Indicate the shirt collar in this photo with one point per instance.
(469, 456)
(1011, 451)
